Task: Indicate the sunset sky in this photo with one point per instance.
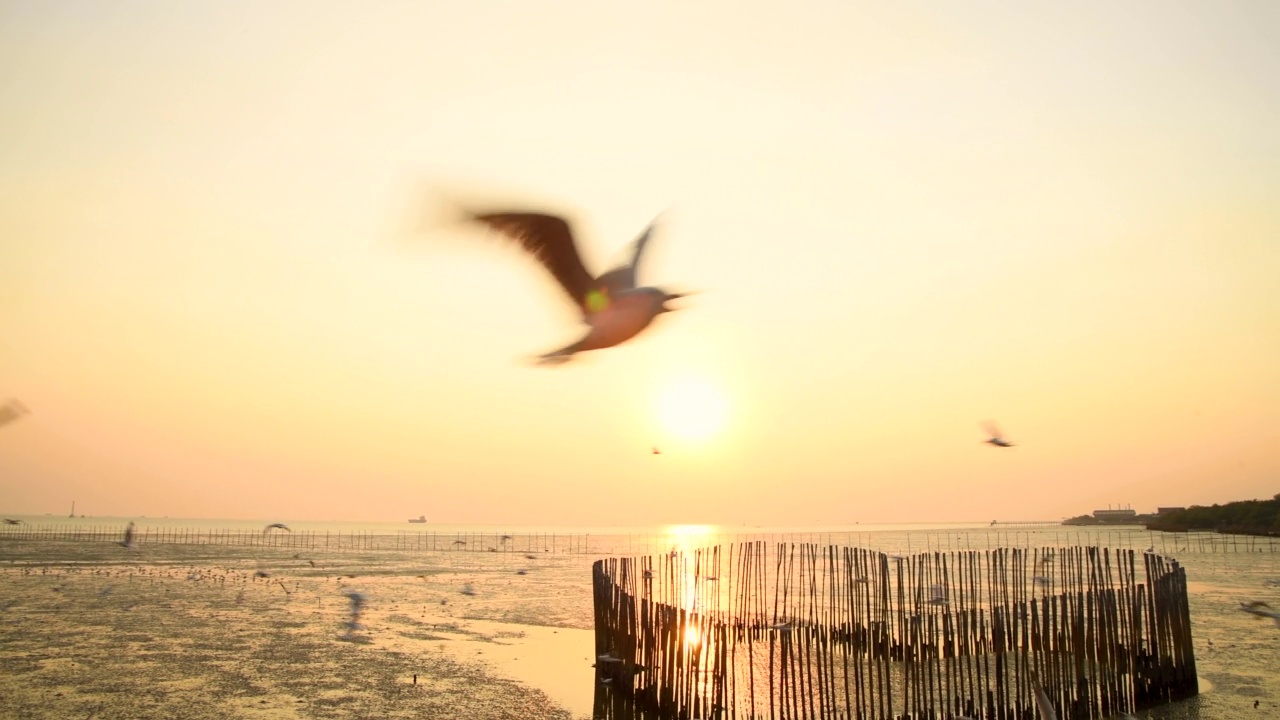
(227, 288)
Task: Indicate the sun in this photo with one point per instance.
(692, 408)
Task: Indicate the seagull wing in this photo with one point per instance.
(623, 278)
(1042, 702)
(549, 239)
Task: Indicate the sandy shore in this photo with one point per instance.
(91, 630)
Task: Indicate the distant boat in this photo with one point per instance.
(419, 519)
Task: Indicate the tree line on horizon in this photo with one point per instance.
(1252, 517)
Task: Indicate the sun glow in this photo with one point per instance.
(692, 408)
(692, 636)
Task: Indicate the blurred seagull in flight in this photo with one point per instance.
(1261, 609)
(12, 410)
(996, 438)
(613, 307)
(937, 595)
(277, 526)
(357, 600)
(127, 543)
(1043, 705)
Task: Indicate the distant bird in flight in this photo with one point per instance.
(996, 438)
(357, 600)
(11, 411)
(1261, 609)
(1043, 705)
(127, 543)
(278, 526)
(937, 595)
(613, 307)
(11, 521)
(656, 451)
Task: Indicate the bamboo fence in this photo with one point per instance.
(800, 631)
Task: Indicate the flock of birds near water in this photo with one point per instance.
(357, 599)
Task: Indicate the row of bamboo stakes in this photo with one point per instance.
(307, 539)
(801, 631)
(932, 540)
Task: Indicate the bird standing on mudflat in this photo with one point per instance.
(612, 306)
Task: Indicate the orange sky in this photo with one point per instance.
(907, 219)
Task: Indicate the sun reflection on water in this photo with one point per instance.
(692, 637)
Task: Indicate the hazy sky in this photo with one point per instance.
(223, 292)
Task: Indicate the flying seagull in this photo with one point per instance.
(613, 306)
(357, 606)
(12, 410)
(127, 543)
(1261, 609)
(937, 595)
(280, 526)
(1042, 701)
(996, 438)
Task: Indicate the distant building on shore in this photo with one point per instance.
(1111, 516)
(1115, 515)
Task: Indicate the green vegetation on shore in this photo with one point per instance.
(1246, 517)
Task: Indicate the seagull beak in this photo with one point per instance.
(675, 296)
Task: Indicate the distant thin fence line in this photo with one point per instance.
(425, 541)
(932, 540)
(805, 631)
